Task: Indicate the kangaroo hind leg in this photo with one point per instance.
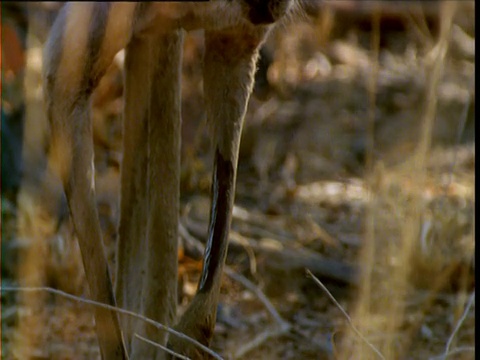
(229, 66)
(147, 244)
(81, 45)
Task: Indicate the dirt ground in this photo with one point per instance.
(331, 179)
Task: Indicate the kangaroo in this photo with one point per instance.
(82, 43)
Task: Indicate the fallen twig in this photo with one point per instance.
(285, 258)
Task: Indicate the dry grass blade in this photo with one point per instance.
(461, 127)
(455, 351)
(118, 310)
(471, 300)
(359, 334)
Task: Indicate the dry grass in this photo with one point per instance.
(406, 217)
(391, 263)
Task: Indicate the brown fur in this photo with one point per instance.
(82, 44)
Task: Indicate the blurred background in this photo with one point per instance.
(357, 163)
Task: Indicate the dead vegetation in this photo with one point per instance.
(358, 165)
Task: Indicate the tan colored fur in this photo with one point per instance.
(81, 45)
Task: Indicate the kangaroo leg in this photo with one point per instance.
(230, 58)
(130, 269)
(82, 43)
(160, 287)
(147, 248)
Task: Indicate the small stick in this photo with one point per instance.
(349, 319)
